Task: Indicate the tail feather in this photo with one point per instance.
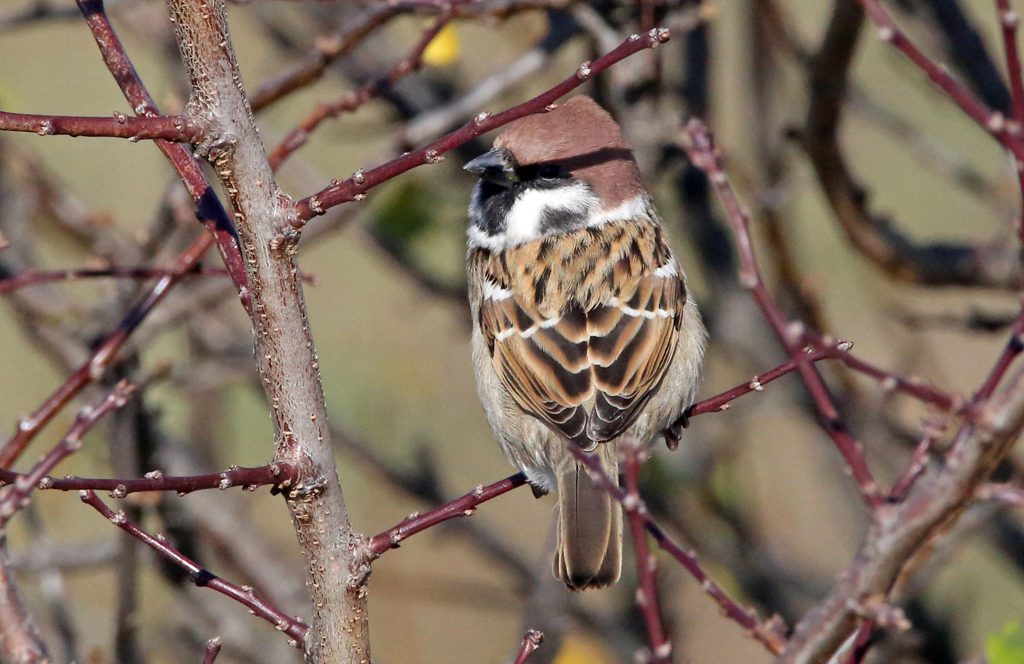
(589, 551)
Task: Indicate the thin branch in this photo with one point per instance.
(180, 129)
(1005, 493)
(531, 641)
(1008, 134)
(355, 187)
(208, 207)
(1008, 21)
(1014, 347)
(211, 650)
(38, 277)
(703, 153)
(463, 506)
(281, 476)
(17, 497)
(905, 532)
(20, 640)
(325, 50)
(103, 356)
(329, 48)
(294, 628)
(646, 564)
(769, 634)
(818, 351)
(918, 463)
(993, 122)
(876, 237)
(412, 62)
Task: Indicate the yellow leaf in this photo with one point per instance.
(443, 49)
(579, 650)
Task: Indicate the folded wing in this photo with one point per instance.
(588, 371)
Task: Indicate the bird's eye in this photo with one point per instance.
(550, 171)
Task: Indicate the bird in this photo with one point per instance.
(584, 331)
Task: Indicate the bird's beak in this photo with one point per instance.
(496, 166)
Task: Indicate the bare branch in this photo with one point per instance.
(294, 628)
(356, 186)
(351, 101)
(646, 564)
(211, 650)
(877, 238)
(167, 128)
(464, 506)
(17, 497)
(281, 476)
(208, 207)
(285, 350)
(531, 641)
(103, 356)
(20, 641)
(702, 151)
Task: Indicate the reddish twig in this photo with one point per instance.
(38, 277)
(412, 62)
(1009, 20)
(325, 51)
(102, 356)
(208, 207)
(179, 129)
(201, 577)
(1013, 348)
(329, 48)
(17, 496)
(1007, 133)
(834, 350)
(646, 564)
(769, 633)
(1008, 494)
(918, 462)
(991, 121)
(211, 650)
(701, 148)
(464, 506)
(279, 475)
(356, 186)
(889, 381)
(209, 210)
(531, 641)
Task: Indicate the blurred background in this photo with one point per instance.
(759, 492)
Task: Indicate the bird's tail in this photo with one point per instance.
(589, 548)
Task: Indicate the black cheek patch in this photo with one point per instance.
(556, 220)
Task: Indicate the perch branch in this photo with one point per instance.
(463, 506)
(356, 186)
(646, 564)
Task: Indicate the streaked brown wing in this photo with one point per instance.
(614, 356)
(632, 340)
(542, 362)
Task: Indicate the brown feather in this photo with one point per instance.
(586, 356)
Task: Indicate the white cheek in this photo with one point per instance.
(527, 213)
(638, 207)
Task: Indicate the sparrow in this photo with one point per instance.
(583, 329)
